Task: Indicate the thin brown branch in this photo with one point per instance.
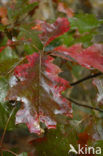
(16, 64)
(6, 126)
(82, 105)
(7, 150)
(86, 78)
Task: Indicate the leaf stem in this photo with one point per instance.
(82, 105)
(6, 126)
(7, 150)
(16, 64)
(86, 78)
(39, 78)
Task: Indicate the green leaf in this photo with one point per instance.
(7, 53)
(31, 35)
(2, 28)
(29, 49)
(84, 22)
(69, 39)
(3, 42)
(8, 59)
(4, 115)
(57, 141)
(55, 43)
(20, 11)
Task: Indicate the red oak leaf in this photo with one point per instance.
(89, 57)
(83, 139)
(39, 90)
(52, 31)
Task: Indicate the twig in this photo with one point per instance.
(1, 142)
(82, 105)
(86, 78)
(16, 64)
(7, 150)
(6, 127)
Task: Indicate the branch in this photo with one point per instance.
(7, 150)
(86, 78)
(2, 138)
(82, 105)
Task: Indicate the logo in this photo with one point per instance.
(84, 150)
